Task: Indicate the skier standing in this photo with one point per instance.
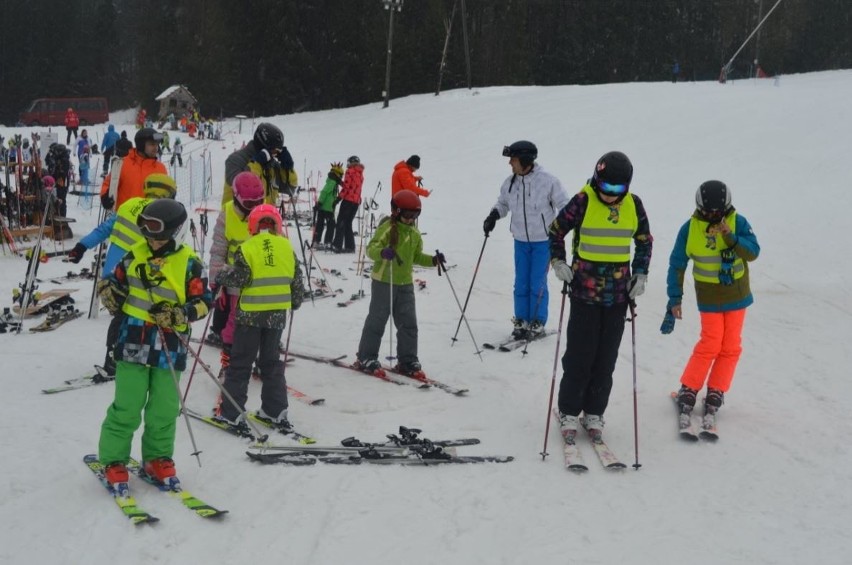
(403, 177)
(230, 231)
(350, 199)
(721, 244)
(154, 320)
(533, 196)
(138, 164)
(108, 147)
(266, 270)
(177, 153)
(604, 216)
(72, 123)
(395, 247)
(326, 202)
(267, 157)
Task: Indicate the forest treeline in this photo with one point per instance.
(274, 57)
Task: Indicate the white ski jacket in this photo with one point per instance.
(534, 200)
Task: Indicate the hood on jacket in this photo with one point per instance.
(111, 128)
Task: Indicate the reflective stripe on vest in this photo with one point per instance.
(273, 265)
(706, 251)
(236, 231)
(606, 231)
(125, 233)
(169, 281)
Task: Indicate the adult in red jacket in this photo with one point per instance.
(350, 199)
(137, 165)
(404, 179)
(72, 122)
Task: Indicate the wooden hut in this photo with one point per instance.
(175, 99)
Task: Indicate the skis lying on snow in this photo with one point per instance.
(56, 318)
(354, 298)
(512, 344)
(573, 457)
(244, 431)
(302, 397)
(407, 448)
(382, 374)
(99, 377)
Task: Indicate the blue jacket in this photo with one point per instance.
(110, 138)
(714, 297)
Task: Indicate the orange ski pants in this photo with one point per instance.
(717, 351)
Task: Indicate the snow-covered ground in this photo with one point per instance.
(774, 489)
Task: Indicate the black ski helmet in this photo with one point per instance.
(613, 168)
(144, 135)
(713, 200)
(525, 151)
(268, 136)
(161, 219)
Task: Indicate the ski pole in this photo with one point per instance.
(390, 356)
(636, 465)
(442, 267)
(302, 246)
(203, 335)
(467, 298)
(544, 452)
(32, 266)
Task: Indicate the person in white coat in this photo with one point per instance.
(534, 197)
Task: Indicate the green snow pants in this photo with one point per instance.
(138, 388)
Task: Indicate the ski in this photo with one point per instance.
(125, 502)
(52, 322)
(175, 490)
(282, 429)
(708, 426)
(686, 428)
(302, 397)
(354, 298)
(512, 344)
(409, 438)
(378, 373)
(607, 458)
(571, 453)
(239, 431)
(437, 457)
(99, 377)
(420, 376)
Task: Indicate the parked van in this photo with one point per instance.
(51, 111)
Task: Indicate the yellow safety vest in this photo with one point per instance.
(273, 266)
(236, 231)
(125, 233)
(606, 231)
(705, 250)
(167, 275)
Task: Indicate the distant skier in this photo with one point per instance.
(326, 203)
(350, 199)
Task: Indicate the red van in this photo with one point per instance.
(51, 111)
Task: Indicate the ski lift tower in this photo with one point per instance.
(392, 6)
(723, 75)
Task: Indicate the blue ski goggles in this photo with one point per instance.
(611, 189)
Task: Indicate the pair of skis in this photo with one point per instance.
(512, 344)
(418, 379)
(687, 428)
(245, 431)
(99, 377)
(131, 509)
(574, 458)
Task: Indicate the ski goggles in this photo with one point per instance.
(150, 226)
(409, 214)
(611, 189)
(507, 152)
(250, 204)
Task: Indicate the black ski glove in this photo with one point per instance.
(76, 254)
(107, 201)
(490, 221)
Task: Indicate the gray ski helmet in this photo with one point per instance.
(353, 160)
(161, 219)
(713, 200)
(525, 151)
(268, 136)
(144, 135)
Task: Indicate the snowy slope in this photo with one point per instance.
(773, 490)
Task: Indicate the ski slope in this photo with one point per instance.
(774, 489)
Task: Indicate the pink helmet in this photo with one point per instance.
(48, 181)
(261, 214)
(248, 191)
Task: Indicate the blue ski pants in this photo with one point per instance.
(531, 266)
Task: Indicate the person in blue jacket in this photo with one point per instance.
(108, 147)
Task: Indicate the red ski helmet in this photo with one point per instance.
(263, 214)
(405, 201)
